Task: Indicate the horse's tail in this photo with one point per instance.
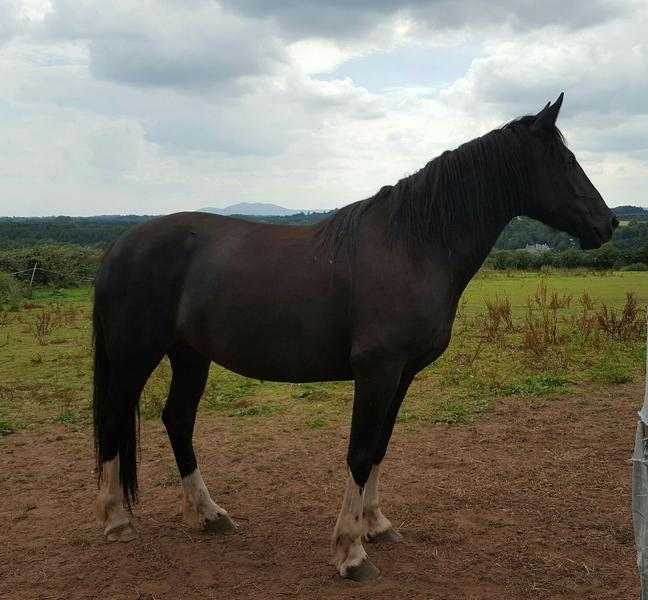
(115, 416)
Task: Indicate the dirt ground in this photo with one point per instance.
(533, 501)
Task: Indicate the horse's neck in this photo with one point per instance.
(472, 237)
(468, 251)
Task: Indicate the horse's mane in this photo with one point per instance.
(475, 184)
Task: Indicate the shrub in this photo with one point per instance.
(627, 325)
(59, 265)
(10, 291)
(44, 325)
(540, 328)
(635, 267)
(498, 317)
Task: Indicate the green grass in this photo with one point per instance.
(49, 380)
(611, 370)
(455, 413)
(606, 286)
(69, 417)
(538, 385)
(76, 294)
(7, 427)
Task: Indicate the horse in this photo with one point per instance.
(369, 294)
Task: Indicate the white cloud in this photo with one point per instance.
(8, 20)
(150, 106)
(602, 69)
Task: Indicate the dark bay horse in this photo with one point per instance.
(370, 294)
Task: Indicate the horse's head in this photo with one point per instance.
(565, 198)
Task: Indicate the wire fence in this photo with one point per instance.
(33, 270)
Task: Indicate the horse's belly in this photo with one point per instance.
(284, 360)
(258, 344)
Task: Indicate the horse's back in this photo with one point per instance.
(256, 298)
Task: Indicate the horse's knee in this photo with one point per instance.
(360, 464)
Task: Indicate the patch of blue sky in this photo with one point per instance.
(417, 66)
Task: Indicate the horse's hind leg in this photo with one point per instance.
(111, 513)
(190, 371)
(116, 437)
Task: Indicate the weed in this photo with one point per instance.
(541, 329)
(256, 410)
(69, 417)
(44, 325)
(454, 413)
(611, 372)
(498, 317)
(311, 391)
(7, 427)
(315, 423)
(405, 416)
(537, 385)
(627, 325)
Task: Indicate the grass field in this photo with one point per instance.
(539, 350)
(606, 286)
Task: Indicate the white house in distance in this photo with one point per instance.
(537, 248)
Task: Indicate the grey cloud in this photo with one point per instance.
(611, 134)
(177, 62)
(520, 14)
(200, 44)
(183, 45)
(343, 19)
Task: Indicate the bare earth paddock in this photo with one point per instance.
(531, 501)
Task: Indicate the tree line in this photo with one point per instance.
(67, 250)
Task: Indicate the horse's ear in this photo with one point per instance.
(546, 118)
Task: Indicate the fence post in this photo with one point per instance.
(640, 489)
(31, 281)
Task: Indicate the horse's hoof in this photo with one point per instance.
(365, 571)
(388, 536)
(222, 524)
(122, 533)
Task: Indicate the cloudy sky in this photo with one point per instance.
(144, 106)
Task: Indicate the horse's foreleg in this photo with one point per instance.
(374, 390)
(377, 527)
(350, 556)
(190, 372)
(199, 510)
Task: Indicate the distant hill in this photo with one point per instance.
(257, 209)
(631, 213)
